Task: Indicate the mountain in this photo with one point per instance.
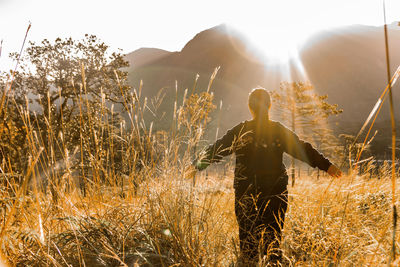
(219, 46)
(347, 63)
(144, 56)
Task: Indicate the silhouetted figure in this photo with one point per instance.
(260, 176)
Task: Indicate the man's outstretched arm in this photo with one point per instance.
(215, 152)
(305, 152)
(224, 146)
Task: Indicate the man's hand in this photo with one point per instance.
(334, 171)
(190, 172)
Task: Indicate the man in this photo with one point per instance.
(260, 176)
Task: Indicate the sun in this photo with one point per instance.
(275, 30)
(277, 45)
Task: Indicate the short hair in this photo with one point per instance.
(259, 100)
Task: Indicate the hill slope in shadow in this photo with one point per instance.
(347, 63)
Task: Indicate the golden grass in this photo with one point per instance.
(170, 222)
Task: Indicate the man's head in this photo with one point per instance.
(259, 102)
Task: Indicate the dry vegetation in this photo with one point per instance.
(121, 198)
(171, 222)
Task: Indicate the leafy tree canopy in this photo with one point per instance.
(69, 84)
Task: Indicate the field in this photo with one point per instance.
(88, 188)
(171, 222)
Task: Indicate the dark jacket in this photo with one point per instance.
(259, 147)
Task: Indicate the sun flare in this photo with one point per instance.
(277, 45)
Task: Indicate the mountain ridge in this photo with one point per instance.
(346, 63)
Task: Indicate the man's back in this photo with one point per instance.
(259, 146)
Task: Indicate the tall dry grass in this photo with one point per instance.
(170, 222)
(120, 198)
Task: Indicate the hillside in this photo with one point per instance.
(144, 56)
(219, 46)
(347, 64)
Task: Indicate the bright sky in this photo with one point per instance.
(170, 24)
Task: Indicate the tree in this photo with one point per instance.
(57, 74)
(72, 87)
(13, 149)
(305, 112)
